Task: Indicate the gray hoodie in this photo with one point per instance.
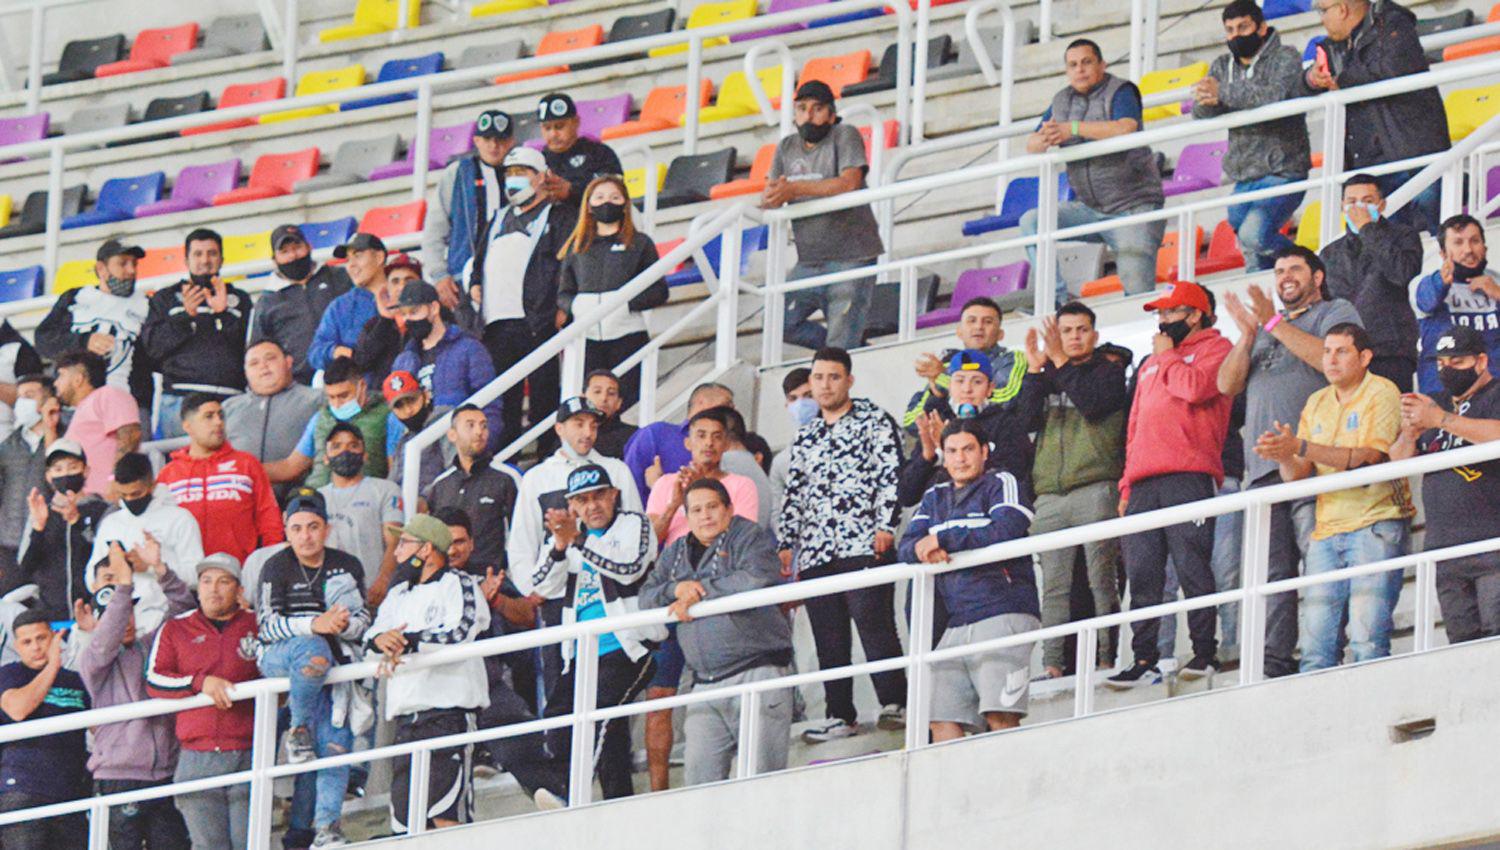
(742, 558)
(1277, 147)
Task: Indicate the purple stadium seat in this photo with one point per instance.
(992, 283)
(443, 144)
(27, 128)
(1200, 166)
(779, 6)
(195, 188)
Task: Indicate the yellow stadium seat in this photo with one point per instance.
(73, 274)
(372, 17)
(247, 248)
(1169, 79)
(317, 82)
(1310, 228)
(1469, 108)
(5, 204)
(635, 180)
(708, 15)
(500, 7)
(735, 98)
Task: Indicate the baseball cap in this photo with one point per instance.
(971, 360)
(306, 500)
(360, 242)
(493, 124)
(575, 406)
(1181, 293)
(403, 261)
(815, 90)
(115, 248)
(416, 293)
(525, 157)
(284, 232)
(1457, 341)
(554, 106)
(398, 384)
(429, 528)
(219, 561)
(65, 448)
(587, 479)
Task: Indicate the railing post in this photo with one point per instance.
(54, 210)
(262, 759)
(749, 743)
(1137, 13)
(1044, 22)
(1333, 167)
(289, 25)
(1187, 247)
(98, 827)
(1426, 591)
(918, 676)
(34, 69)
(1148, 44)
(1255, 550)
(726, 333)
(919, 87)
(1451, 190)
(646, 407)
(1085, 657)
(1045, 272)
(585, 695)
(771, 320)
(421, 142)
(416, 795)
(694, 80)
(906, 311)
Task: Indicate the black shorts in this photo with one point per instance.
(450, 786)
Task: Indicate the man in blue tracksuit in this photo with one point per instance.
(449, 363)
(974, 509)
(1460, 292)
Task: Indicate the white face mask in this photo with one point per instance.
(27, 412)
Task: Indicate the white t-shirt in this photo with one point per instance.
(356, 515)
(97, 311)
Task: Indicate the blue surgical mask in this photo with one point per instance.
(1374, 217)
(518, 189)
(967, 411)
(803, 410)
(346, 411)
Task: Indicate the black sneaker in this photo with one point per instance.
(1202, 666)
(1137, 675)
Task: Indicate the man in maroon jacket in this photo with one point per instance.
(206, 651)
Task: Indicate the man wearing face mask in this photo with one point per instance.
(23, 463)
(339, 329)
(802, 408)
(361, 509)
(59, 534)
(289, 315)
(470, 196)
(105, 319)
(148, 512)
(825, 158)
(412, 409)
(1371, 266)
(195, 332)
(1459, 293)
(448, 363)
(348, 400)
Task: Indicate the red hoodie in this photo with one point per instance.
(229, 495)
(190, 648)
(1179, 419)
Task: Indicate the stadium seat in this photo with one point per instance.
(490, 54)
(373, 17)
(993, 40)
(554, 43)
(976, 283)
(845, 17)
(1469, 108)
(1310, 52)
(273, 175)
(33, 217)
(525, 127)
(241, 94)
(5, 207)
(1166, 255)
(398, 220)
(775, 7)
(735, 98)
(500, 7)
(160, 262)
(1020, 198)
(595, 115)
(398, 69)
(119, 198)
(19, 284)
(230, 35)
(1199, 166)
(81, 58)
(837, 71)
(756, 182)
(1223, 251)
(635, 181)
(890, 135)
(1479, 46)
(1445, 23)
(1170, 79)
(88, 119)
(153, 49)
(353, 162)
(443, 144)
(247, 248)
(163, 108)
(710, 15)
(1078, 263)
(1282, 8)
(328, 234)
(752, 240)
(195, 188)
(884, 79)
(74, 274)
(1309, 227)
(665, 108)
(317, 82)
(885, 305)
(691, 178)
(26, 128)
(1108, 285)
(627, 27)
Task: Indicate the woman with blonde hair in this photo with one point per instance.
(604, 253)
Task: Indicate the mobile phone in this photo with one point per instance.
(1321, 62)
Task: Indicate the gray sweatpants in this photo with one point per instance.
(1468, 591)
(217, 819)
(712, 729)
(1080, 506)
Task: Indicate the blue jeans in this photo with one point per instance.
(1258, 223)
(1370, 599)
(845, 306)
(311, 706)
(169, 416)
(1420, 212)
(1135, 245)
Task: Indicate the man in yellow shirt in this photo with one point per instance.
(1348, 424)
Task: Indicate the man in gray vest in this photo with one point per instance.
(1097, 105)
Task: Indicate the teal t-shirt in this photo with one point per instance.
(588, 602)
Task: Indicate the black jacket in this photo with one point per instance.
(614, 433)
(206, 350)
(1372, 270)
(1008, 427)
(290, 315)
(56, 559)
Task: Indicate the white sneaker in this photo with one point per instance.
(892, 718)
(328, 836)
(830, 731)
(548, 801)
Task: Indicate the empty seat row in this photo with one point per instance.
(157, 48)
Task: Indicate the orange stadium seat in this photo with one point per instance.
(558, 42)
(837, 71)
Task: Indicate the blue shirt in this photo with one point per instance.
(51, 766)
(657, 440)
(1127, 104)
(588, 602)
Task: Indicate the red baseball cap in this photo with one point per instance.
(403, 261)
(398, 384)
(1181, 293)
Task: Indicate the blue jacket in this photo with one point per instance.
(462, 367)
(991, 510)
(1439, 307)
(461, 216)
(342, 321)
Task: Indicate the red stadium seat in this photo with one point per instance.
(272, 175)
(663, 109)
(837, 71)
(399, 220)
(241, 94)
(153, 49)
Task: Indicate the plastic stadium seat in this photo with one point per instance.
(160, 262)
(273, 175)
(837, 71)
(975, 283)
(317, 82)
(558, 42)
(247, 248)
(756, 182)
(195, 188)
(119, 198)
(372, 17)
(1309, 227)
(993, 40)
(1479, 46)
(711, 15)
(399, 220)
(399, 69)
(692, 178)
(1469, 108)
(1020, 198)
(595, 115)
(884, 313)
(89, 119)
(1170, 79)
(635, 181)
(353, 162)
(27, 128)
(443, 144)
(627, 27)
(172, 107)
(525, 127)
(328, 234)
(490, 54)
(500, 7)
(1166, 255)
(241, 94)
(890, 135)
(665, 107)
(752, 240)
(153, 49)
(735, 98)
(1102, 286)
(230, 35)
(74, 274)
(18, 284)
(1282, 8)
(1199, 166)
(1078, 263)
(884, 79)
(81, 58)
(5, 207)
(33, 217)
(1445, 23)
(845, 17)
(1223, 251)
(774, 7)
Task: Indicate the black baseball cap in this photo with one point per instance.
(360, 242)
(575, 406)
(416, 293)
(306, 500)
(1459, 341)
(554, 106)
(587, 479)
(815, 90)
(493, 124)
(115, 248)
(284, 232)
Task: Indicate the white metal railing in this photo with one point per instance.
(1256, 504)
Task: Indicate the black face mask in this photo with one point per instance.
(607, 213)
(1457, 381)
(1465, 273)
(415, 422)
(1246, 46)
(347, 464)
(1177, 330)
(137, 506)
(67, 483)
(418, 329)
(413, 564)
(814, 133)
(204, 280)
(298, 269)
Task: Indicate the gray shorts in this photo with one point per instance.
(965, 689)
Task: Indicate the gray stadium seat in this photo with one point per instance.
(90, 118)
(994, 40)
(885, 305)
(33, 217)
(1078, 263)
(230, 35)
(939, 48)
(353, 162)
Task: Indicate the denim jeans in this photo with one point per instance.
(169, 416)
(147, 825)
(1423, 210)
(1135, 245)
(1370, 599)
(312, 706)
(217, 819)
(845, 306)
(54, 833)
(1258, 223)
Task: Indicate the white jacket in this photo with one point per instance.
(447, 610)
(545, 486)
(173, 527)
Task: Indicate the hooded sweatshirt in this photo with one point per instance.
(174, 528)
(57, 558)
(1439, 307)
(544, 486)
(1179, 419)
(229, 495)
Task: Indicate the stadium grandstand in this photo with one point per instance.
(423, 422)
